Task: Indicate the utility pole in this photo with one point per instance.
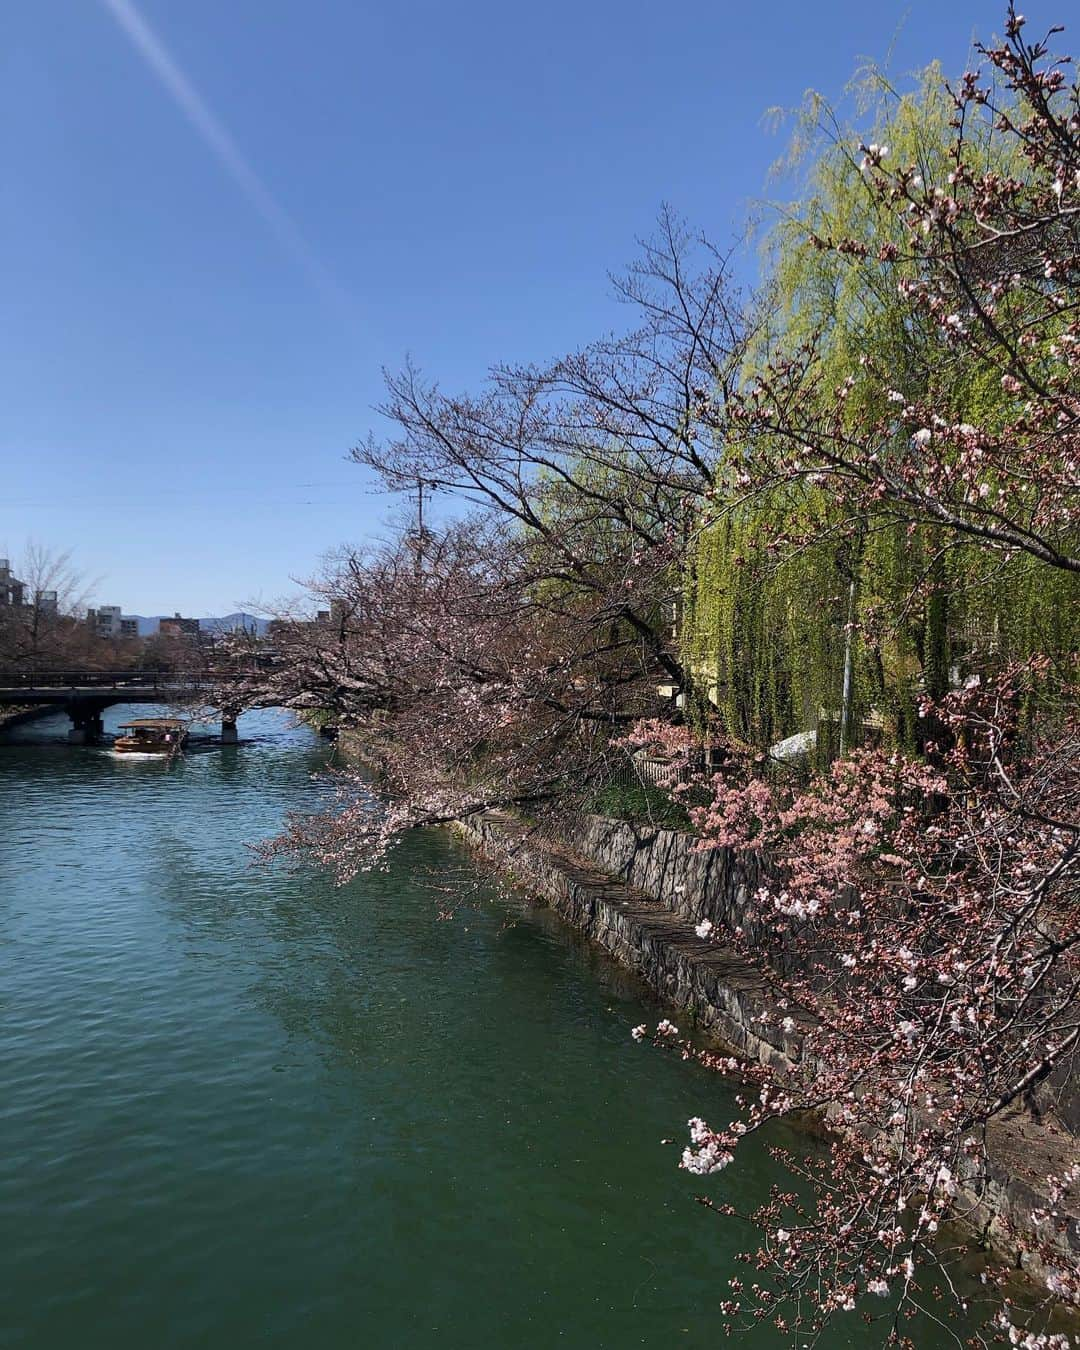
(419, 525)
(855, 556)
(845, 695)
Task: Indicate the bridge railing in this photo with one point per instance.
(118, 679)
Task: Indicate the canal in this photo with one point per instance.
(240, 1107)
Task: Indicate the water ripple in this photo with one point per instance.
(242, 1108)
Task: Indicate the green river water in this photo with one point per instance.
(242, 1108)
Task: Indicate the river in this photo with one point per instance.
(241, 1107)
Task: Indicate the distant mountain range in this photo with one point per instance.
(210, 623)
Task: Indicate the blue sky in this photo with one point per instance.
(221, 218)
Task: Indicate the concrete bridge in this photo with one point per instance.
(85, 694)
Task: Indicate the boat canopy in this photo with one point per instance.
(153, 724)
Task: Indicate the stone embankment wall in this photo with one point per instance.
(639, 891)
(695, 883)
(717, 884)
(725, 993)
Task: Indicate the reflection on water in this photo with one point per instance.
(241, 1107)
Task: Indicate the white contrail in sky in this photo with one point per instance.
(221, 144)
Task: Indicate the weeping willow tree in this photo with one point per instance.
(845, 634)
(796, 618)
(765, 668)
(791, 641)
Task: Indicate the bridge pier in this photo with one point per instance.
(87, 726)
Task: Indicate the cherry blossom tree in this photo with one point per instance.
(472, 679)
(919, 912)
(489, 664)
(990, 261)
(920, 922)
(599, 460)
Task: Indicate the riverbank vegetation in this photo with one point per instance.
(809, 561)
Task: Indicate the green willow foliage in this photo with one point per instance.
(767, 635)
(766, 630)
(842, 305)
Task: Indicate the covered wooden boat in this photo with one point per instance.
(151, 736)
